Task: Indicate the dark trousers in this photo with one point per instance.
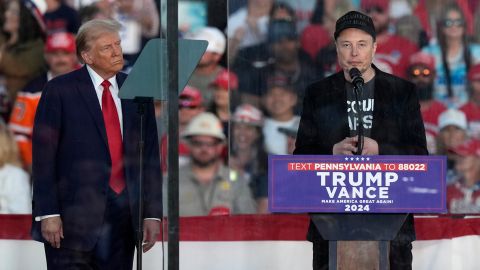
(115, 246)
(400, 255)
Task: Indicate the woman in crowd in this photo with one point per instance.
(247, 154)
(21, 46)
(454, 56)
(224, 85)
(15, 190)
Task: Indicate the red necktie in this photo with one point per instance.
(114, 137)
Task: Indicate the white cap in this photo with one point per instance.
(452, 117)
(41, 5)
(216, 39)
(248, 114)
(206, 124)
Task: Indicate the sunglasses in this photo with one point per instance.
(453, 22)
(375, 9)
(198, 144)
(425, 72)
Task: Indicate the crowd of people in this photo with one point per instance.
(244, 99)
(273, 54)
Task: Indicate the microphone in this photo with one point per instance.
(356, 77)
(358, 82)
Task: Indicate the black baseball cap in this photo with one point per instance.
(281, 29)
(355, 19)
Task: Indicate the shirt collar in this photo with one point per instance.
(97, 79)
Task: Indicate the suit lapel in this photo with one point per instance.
(87, 91)
(380, 95)
(340, 95)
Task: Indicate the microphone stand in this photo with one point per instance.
(356, 89)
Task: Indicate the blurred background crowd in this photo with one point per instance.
(244, 99)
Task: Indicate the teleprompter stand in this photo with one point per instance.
(147, 81)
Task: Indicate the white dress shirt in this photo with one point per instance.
(97, 84)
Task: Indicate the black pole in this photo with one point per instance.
(141, 102)
(172, 75)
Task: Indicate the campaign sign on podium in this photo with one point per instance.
(357, 184)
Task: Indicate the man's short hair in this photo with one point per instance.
(92, 30)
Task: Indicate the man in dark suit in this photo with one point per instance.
(85, 162)
(390, 118)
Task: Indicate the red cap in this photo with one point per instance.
(248, 114)
(421, 58)
(226, 80)
(469, 148)
(383, 4)
(60, 41)
(474, 73)
(190, 97)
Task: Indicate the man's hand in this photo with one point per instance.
(151, 229)
(370, 146)
(52, 230)
(346, 147)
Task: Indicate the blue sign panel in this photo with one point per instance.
(357, 184)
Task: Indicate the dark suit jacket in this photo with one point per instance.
(71, 160)
(397, 123)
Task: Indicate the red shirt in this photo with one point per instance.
(314, 38)
(430, 121)
(472, 111)
(183, 151)
(393, 55)
(430, 116)
(461, 199)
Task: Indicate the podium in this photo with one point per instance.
(358, 204)
(358, 241)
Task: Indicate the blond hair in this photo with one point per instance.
(8, 147)
(92, 30)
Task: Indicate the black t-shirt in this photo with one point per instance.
(63, 19)
(366, 102)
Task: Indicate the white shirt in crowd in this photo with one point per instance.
(276, 141)
(15, 190)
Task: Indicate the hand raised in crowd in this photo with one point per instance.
(52, 230)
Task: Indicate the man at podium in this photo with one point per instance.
(361, 110)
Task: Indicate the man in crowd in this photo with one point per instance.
(279, 102)
(329, 122)
(209, 66)
(393, 51)
(285, 57)
(421, 71)
(61, 58)
(189, 105)
(204, 185)
(463, 195)
(85, 152)
(452, 126)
